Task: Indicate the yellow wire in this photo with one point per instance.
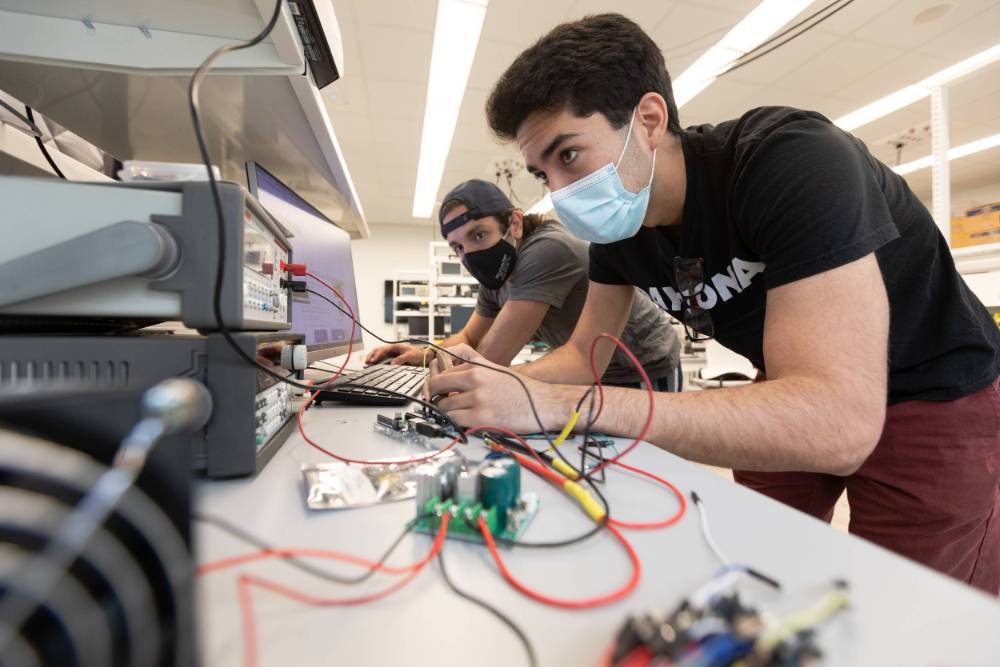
(809, 617)
(423, 357)
(567, 429)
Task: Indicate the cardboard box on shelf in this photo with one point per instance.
(975, 230)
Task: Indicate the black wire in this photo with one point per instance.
(506, 620)
(743, 61)
(199, 132)
(424, 343)
(41, 144)
(24, 119)
(298, 563)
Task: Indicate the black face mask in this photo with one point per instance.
(492, 266)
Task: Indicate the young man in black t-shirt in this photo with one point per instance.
(782, 237)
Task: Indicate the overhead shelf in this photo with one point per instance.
(20, 156)
(131, 101)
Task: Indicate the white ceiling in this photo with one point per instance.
(869, 49)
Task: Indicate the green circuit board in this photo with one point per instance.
(518, 519)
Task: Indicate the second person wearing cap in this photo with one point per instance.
(533, 284)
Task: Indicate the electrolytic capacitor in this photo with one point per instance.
(448, 471)
(513, 477)
(495, 492)
(428, 479)
(467, 487)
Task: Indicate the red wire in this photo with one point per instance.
(354, 323)
(642, 434)
(312, 397)
(245, 581)
(585, 603)
(416, 459)
(656, 524)
(649, 390)
(291, 552)
(557, 479)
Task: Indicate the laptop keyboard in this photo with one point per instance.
(377, 385)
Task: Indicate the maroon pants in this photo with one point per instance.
(930, 490)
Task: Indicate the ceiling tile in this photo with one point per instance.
(899, 73)
(646, 14)
(974, 35)
(347, 94)
(521, 22)
(352, 125)
(898, 28)
(395, 54)
(396, 130)
(720, 101)
(840, 65)
(785, 58)
(492, 60)
(344, 9)
(775, 96)
(688, 30)
(398, 99)
(854, 16)
(406, 14)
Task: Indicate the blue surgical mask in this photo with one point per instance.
(598, 208)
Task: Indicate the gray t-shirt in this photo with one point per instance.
(552, 268)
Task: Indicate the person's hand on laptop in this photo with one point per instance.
(400, 354)
(474, 395)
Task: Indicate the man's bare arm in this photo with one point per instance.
(822, 408)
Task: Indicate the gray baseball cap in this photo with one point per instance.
(481, 198)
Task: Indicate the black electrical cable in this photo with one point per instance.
(743, 61)
(503, 618)
(298, 563)
(24, 119)
(586, 478)
(424, 343)
(193, 104)
(199, 132)
(41, 144)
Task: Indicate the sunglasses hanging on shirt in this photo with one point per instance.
(689, 274)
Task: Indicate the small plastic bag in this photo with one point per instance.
(343, 486)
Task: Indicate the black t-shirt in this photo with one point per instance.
(781, 194)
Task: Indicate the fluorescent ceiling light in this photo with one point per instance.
(918, 91)
(542, 206)
(953, 154)
(763, 21)
(456, 36)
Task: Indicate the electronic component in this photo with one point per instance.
(467, 487)
(490, 489)
(428, 484)
(411, 427)
(130, 255)
(254, 413)
(716, 626)
(495, 492)
(325, 248)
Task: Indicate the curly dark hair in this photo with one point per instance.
(603, 63)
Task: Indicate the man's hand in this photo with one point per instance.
(476, 396)
(401, 353)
